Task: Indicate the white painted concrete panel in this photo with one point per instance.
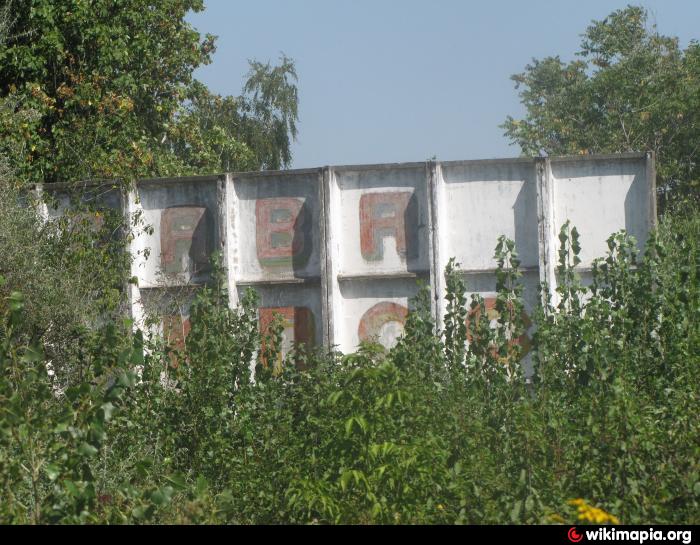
(373, 310)
(382, 221)
(300, 306)
(484, 285)
(188, 211)
(484, 201)
(94, 198)
(600, 198)
(277, 232)
(166, 311)
(338, 249)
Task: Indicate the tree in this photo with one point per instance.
(64, 276)
(112, 82)
(630, 89)
(250, 132)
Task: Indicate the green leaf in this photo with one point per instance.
(16, 301)
(32, 354)
(87, 450)
(345, 479)
(515, 511)
(162, 496)
(108, 410)
(52, 471)
(201, 486)
(178, 481)
(128, 379)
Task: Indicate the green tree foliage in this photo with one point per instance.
(112, 86)
(252, 131)
(70, 271)
(249, 132)
(70, 274)
(630, 89)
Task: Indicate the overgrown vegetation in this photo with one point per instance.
(436, 430)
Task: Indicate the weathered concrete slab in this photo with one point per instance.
(183, 215)
(300, 307)
(372, 309)
(600, 196)
(484, 201)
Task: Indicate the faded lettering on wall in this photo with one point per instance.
(185, 239)
(282, 232)
(383, 322)
(298, 324)
(175, 330)
(393, 214)
(492, 315)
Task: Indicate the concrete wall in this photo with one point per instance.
(337, 250)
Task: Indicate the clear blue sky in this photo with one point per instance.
(403, 80)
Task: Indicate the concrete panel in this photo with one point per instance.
(484, 284)
(599, 197)
(381, 220)
(95, 197)
(276, 223)
(183, 216)
(166, 311)
(485, 200)
(337, 250)
(300, 307)
(372, 310)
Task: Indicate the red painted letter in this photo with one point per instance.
(298, 323)
(388, 214)
(384, 321)
(282, 229)
(175, 330)
(184, 239)
(492, 316)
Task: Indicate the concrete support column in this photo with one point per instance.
(436, 242)
(224, 195)
(133, 225)
(326, 280)
(651, 184)
(37, 196)
(330, 256)
(546, 226)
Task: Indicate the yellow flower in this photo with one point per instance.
(589, 513)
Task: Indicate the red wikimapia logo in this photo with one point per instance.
(573, 535)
